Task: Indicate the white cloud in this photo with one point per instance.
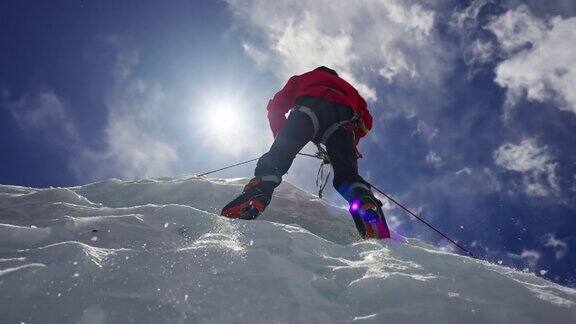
(560, 247)
(429, 132)
(476, 49)
(131, 153)
(134, 138)
(135, 144)
(529, 257)
(472, 181)
(434, 159)
(517, 28)
(541, 61)
(42, 112)
(478, 52)
(527, 156)
(463, 19)
(466, 171)
(387, 39)
(259, 57)
(535, 162)
(462, 185)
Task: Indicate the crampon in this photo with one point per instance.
(369, 220)
(246, 210)
(250, 204)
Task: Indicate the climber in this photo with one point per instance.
(324, 109)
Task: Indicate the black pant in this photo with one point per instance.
(298, 131)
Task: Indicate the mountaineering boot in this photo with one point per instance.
(366, 211)
(253, 200)
(369, 218)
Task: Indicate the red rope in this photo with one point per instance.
(422, 220)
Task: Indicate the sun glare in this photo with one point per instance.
(223, 118)
(224, 126)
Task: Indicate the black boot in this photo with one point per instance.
(253, 200)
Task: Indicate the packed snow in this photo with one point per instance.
(155, 251)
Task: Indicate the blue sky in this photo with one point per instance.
(474, 103)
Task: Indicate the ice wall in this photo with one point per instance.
(152, 251)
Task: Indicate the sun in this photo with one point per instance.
(224, 124)
(222, 117)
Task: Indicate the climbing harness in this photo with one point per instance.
(349, 125)
(312, 116)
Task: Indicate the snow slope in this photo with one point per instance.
(152, 251)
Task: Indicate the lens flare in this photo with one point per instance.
(354, 206)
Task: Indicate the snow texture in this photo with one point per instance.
(154, 251)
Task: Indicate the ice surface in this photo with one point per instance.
(153, 251)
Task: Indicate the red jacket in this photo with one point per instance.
(317, 83)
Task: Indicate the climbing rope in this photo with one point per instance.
(321, 182)
(224, 168)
